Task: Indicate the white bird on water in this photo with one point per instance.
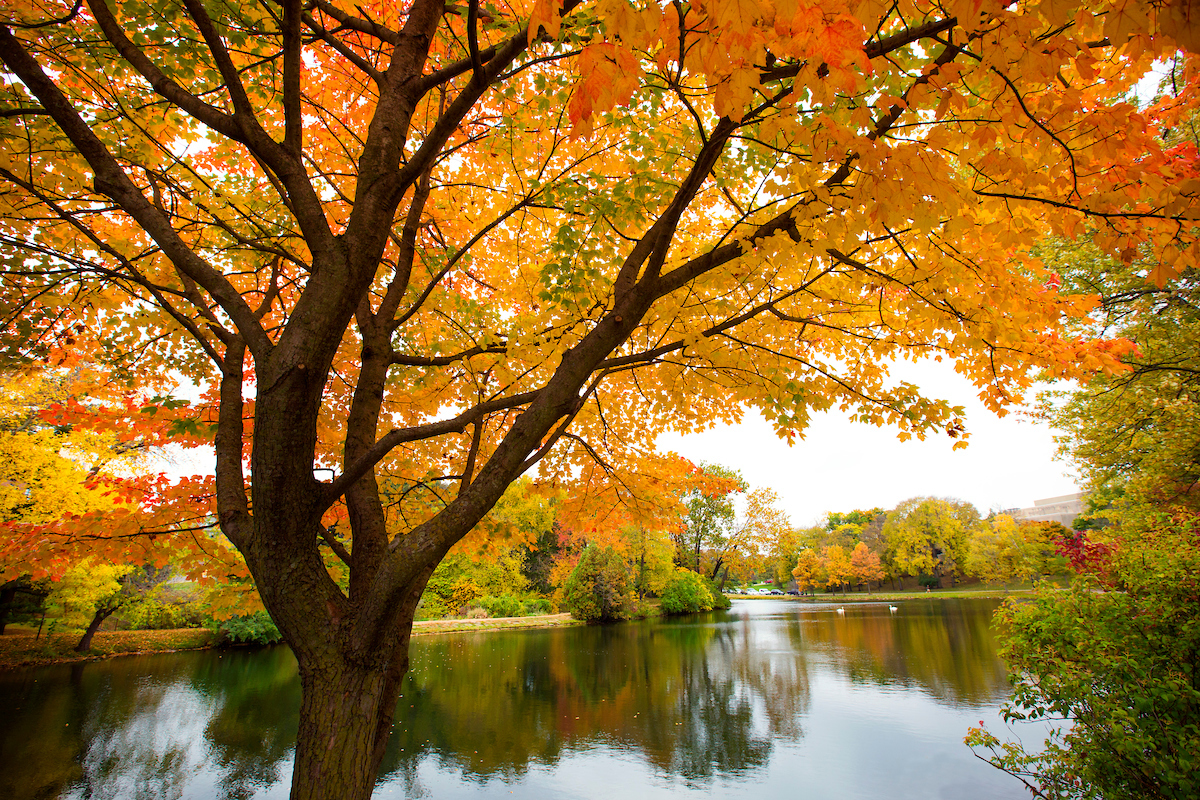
(841, 611)
(892, 609)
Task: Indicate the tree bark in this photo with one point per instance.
(346, 713)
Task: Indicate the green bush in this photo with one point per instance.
(536, 605)
(153, 613)
(1121, 665)
(503, 606)
(720, 601)
(431, 608)
(256, 628)
(686, 594)
(598, 588)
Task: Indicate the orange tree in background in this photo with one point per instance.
(429, 245)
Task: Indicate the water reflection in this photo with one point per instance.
(766, 695)
(942, 647)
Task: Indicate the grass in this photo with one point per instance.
(19, 648)
(499, 623)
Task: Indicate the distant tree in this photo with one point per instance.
(598, 589)
(998, 553)
(21, 595)
(845, 535)
(94, 592)
(686, 593)
(1045, 540)
(649, 554)
(710, 516)
(753, 534)
(838, 571)
(537, 559)
(865, 565)
(928, 536)
(809, 571)
(465, 576)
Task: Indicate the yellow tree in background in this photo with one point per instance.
(838, 570)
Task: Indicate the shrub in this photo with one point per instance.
(598, 588)
(256, 628)
(503, 606)
(431, 608)
(720, 601)
(1121, 665)
(536, 605)
(686, 594)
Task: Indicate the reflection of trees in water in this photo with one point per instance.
(146, 748)
(254, 728)
(101, 730)
(696, 698)
(40, 737)
(945, 647)
(693, 698)
(148, 727)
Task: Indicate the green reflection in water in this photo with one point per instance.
(698, 700)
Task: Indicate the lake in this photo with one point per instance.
(771, 697)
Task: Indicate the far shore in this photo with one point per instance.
(881, 596)
(20, 649)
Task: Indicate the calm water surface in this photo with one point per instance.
(773, 696)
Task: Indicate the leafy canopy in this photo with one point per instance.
(424, 248)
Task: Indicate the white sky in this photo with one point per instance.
(841, 465)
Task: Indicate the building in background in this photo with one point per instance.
(1062, 509)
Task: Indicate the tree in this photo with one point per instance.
(650, 555)
(1137, 432)
(865, 565)
(90, 593)
(598, 588)
(838, 570)
(808, 571)
(686, 594)
(711, 518)
(21, 595)
(754, 533)
(376, 238)
(928, 536)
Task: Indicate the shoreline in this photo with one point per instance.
(874, 597)
(20, 650)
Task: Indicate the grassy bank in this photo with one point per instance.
(19, 648)
(499, 623)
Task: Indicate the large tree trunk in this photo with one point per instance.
(346, 713)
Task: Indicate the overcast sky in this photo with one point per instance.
(841, 465)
